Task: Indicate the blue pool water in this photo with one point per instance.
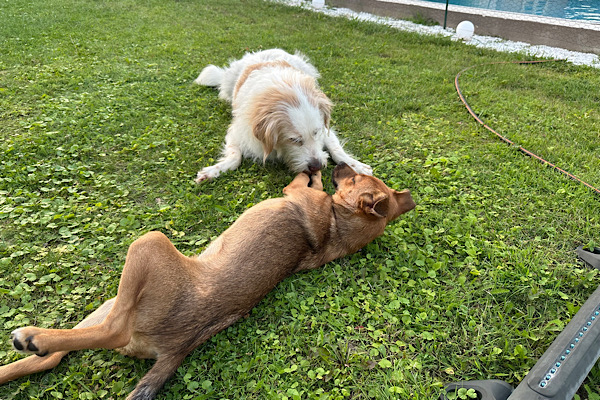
(586, 10)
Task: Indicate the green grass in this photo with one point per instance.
(102, 133)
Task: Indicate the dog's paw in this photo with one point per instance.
(207, 174)
(25, 341)
(201, 177)
(204, 175)
(360, 168)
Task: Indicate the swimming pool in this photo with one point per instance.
(586, 10)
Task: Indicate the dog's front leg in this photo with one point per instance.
(315, 181)
(231, 159)
(339, 156)
(303, 180)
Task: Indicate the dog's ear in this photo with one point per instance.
(377, 204)
(269, 117)
(342, 171)
(265, 129)
(403, 203)
(325, 105)
(318, 98)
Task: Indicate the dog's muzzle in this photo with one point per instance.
(314, 165)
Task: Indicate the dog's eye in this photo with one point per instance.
(353, 179)
(297, 141)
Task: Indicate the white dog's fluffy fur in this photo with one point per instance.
(279, 112)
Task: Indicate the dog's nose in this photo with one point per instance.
(314, 165)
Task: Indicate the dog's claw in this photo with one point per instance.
(16, 342)
(201, 178)
(30, 346)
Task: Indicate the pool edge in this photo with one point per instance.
(575, 36)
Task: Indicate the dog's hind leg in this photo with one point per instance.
(153, 381)
(339, 156)
(146, 259)
(33, 364)
(29, 365)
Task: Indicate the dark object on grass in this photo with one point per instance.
(562, 368)
(590, 257)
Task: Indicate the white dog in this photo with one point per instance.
(279, 112)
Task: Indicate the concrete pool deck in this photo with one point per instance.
(575, 35)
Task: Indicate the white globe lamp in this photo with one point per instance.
(465, 30)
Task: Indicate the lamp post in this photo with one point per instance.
(446, 14)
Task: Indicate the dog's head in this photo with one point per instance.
(293, 120)
(369, 196)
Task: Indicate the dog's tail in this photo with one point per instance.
(210, 76)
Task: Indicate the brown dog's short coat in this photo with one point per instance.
(167, 303)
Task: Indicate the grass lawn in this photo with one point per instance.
(102, 134)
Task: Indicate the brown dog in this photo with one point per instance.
(167, 303)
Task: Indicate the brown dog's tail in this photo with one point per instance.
(30, 365)
(153, 381)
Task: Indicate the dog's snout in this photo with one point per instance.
(314, 165)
